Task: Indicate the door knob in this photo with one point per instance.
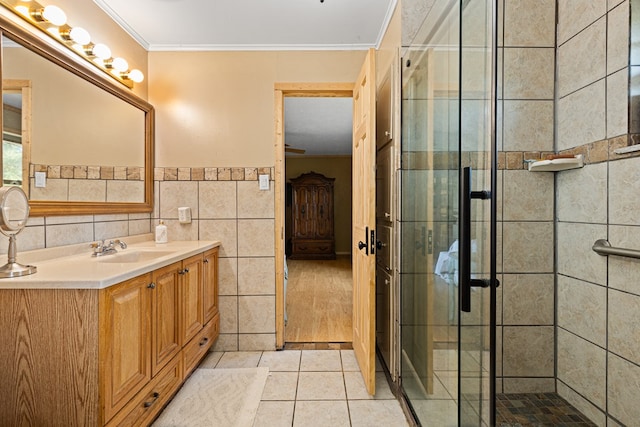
(361, 245)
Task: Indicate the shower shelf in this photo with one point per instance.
(557, 164)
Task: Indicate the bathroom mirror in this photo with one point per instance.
(86, 141)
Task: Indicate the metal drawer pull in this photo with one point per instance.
(154, 397)
(185, 271)
(151, 285)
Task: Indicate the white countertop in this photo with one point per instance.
(73, 267)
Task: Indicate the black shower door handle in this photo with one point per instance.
(466, 282)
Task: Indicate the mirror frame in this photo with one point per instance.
(42, 44)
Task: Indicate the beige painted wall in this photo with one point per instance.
(338, 167)
(216, 109)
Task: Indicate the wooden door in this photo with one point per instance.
(166, 341)
(191, 289)
(364, 149)
(210, 284)
(126, 320)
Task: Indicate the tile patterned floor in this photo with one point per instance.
(537, 410)
(315, 388)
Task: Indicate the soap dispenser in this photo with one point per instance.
(161, 233)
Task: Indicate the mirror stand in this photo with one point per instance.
(13, 268)
(14, 213)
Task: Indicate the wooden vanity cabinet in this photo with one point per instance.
(203, 311)
(180, 336)
(165, 312)
(112, 356)
(191, 297)
(125, 321)
(210, 293)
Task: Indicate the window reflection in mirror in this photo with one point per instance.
(12, 139)
(16, 101)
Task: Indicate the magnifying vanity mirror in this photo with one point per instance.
(75, 140)
(14, 213)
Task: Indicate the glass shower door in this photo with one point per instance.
(447, 112)
(477, 280)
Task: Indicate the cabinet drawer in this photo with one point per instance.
(195, 350)
(146, 405)
(323, 249)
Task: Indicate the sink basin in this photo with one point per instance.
(135, 255)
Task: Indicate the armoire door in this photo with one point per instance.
(324, 212)
(303, 226)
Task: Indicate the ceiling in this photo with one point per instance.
(320, 126)
(162, 25)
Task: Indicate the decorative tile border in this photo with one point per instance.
(594, 152)
(603, 151)
(123, 173)
(212, 174)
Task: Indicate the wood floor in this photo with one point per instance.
(319, 301)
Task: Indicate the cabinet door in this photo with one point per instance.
(210, 284)
(125, 322)
(303, 204)
(166, 341)
(191, 297)
(324, 213)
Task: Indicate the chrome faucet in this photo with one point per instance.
(102, 248)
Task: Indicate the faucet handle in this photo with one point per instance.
(97, 245)
(122, 244)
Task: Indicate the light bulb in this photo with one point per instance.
(55, 15)
(80, 35)
(136, 75)
(102, 51)
(23, 10)
(120, 64)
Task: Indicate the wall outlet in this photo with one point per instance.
(184, 215)
(264, 182)
(41, 179)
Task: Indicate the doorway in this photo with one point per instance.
(319, 284)
(315, 270)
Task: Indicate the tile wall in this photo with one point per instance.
(526, 354)
(227, 205)
(598, 314)
(53, 231)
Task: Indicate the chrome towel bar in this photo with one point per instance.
(604, 248)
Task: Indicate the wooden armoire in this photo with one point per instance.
(312, 228)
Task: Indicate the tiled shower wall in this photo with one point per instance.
(525, 354)
(598, 366)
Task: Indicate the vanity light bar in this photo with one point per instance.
(53, 21)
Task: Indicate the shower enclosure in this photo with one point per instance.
(448, 262)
